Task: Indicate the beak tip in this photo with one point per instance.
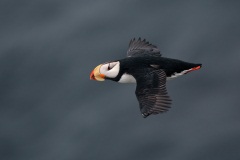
(92, 77)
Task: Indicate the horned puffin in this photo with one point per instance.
(145, 66)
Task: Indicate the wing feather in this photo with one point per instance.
(138, 47)
(152, 94)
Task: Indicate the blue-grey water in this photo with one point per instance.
(50, 110)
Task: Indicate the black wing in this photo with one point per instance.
(151, 92)
(142, 47)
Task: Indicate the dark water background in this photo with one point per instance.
(49, 109)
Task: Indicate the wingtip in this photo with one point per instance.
(145, 115)
(139, 39)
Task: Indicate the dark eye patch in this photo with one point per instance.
(109, 66)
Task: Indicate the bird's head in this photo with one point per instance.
(104, 71)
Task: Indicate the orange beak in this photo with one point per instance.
(92, 77)
(96, 75)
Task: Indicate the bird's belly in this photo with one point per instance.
(127, 78)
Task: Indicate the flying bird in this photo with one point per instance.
(145, 66)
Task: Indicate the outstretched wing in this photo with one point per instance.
(141, 48)
(151, 92)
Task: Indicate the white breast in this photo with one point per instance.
(127, 78)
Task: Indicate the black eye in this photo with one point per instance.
(109, 66)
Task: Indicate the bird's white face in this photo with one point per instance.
(106, 70)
